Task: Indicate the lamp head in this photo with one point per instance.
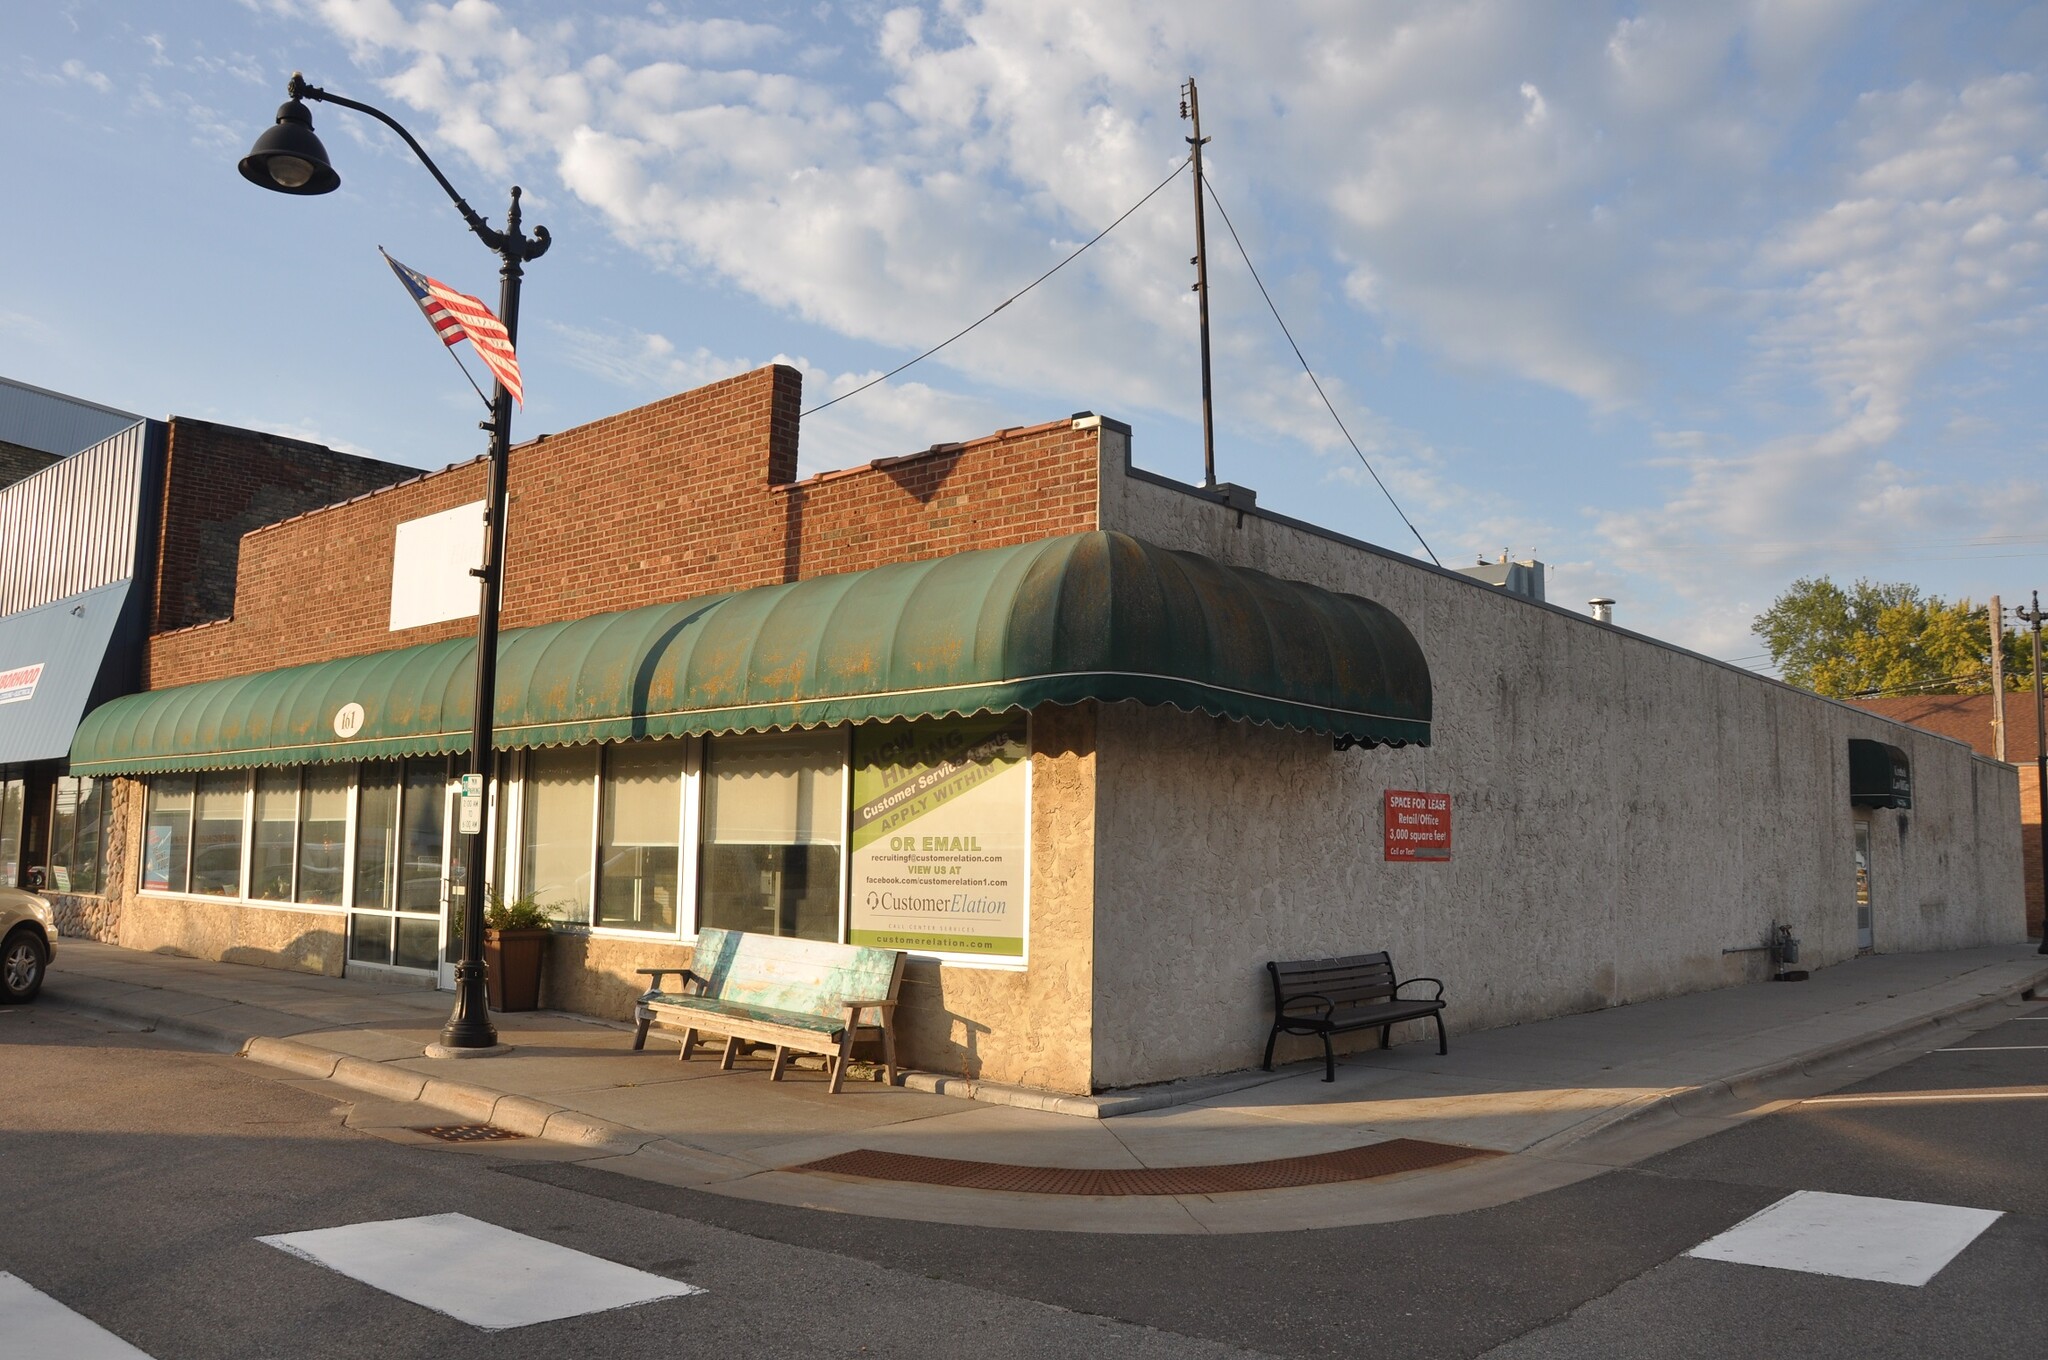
(288, 158)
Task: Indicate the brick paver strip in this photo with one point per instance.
(1325, 1168)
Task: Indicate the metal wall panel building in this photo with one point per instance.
(53, 422)
(79, 523)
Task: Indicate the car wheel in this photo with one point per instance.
(22, 962)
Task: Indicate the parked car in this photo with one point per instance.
(28, 931)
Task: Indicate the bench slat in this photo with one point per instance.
(812, 996)
(809, 977)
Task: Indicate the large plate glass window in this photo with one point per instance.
(559, 819)
(218, 810)
(774, 809)
(277, 822)
(640, 855)
(167, 834)
(78, 817)
(323, 834)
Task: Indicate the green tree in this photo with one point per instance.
(1883, 638)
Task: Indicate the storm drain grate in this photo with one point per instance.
(468, 1133)
(1371, 1160)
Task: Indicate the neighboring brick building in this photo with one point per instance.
(1967, 718)
(1090, 745)
(18, 461)
(139, 531)
(688, 496)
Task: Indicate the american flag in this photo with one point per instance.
(458, 316)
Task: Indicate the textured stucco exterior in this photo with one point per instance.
(269, 937)
(1622, 811)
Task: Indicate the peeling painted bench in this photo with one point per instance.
(805, 996)
(1336, 996)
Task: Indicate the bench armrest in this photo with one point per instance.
(1314, 999)
(1437, 982)
(654, 987)
(854, 1008)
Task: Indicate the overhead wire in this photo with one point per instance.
(1008, 300)
(1327, 405)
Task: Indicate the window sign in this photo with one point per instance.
(1418, 825)
(939, 847)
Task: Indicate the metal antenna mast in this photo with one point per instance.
(1191, 108)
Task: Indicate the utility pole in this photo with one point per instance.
(1997, 679)
(1191, 108)
(2033, 616)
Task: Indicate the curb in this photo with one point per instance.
(1709, 1096)
(470, 1101)
(534, 1118)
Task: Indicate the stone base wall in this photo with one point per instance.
(87, 918)
(303, 942)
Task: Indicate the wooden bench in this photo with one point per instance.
(1335, 996)
(801, 995)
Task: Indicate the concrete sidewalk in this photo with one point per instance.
(1555, 1101)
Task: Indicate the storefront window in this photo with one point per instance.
(641, 856)
(217, 815)
(78, 810)
(559, 816)
(323, 834)
(167, 834)
(12, 795)
(426, 817)
(277, 819)
(774, 807)
(377, 837)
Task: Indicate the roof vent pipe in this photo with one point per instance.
(1603, 609)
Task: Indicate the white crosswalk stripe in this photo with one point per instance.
(490, 1277)
(34, 1326)
(1894, 1241)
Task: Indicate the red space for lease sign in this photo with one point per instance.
(1418, 825)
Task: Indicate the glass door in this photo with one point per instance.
(401, 865)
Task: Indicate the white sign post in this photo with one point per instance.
(472, 816)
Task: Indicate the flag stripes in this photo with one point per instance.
(458, 316)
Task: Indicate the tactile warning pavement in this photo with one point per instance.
(1281, 1173)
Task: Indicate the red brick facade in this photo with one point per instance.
(687, 496)
(17, 462)
(219, 483)
(1967, 718)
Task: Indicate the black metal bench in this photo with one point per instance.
(1336, 996)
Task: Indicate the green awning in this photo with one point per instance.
(1091, 616)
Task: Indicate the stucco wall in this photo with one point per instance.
(1621, 812)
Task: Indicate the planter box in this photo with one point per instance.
(513, 959)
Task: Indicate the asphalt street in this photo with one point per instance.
(141, 1176)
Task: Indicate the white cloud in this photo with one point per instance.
(76, 70)
(1536, 190)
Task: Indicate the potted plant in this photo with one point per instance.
(515, 943)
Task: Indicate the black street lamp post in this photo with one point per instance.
(289, 159)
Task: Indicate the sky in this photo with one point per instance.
(1685, 300)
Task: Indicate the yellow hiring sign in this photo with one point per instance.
(940, 815)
